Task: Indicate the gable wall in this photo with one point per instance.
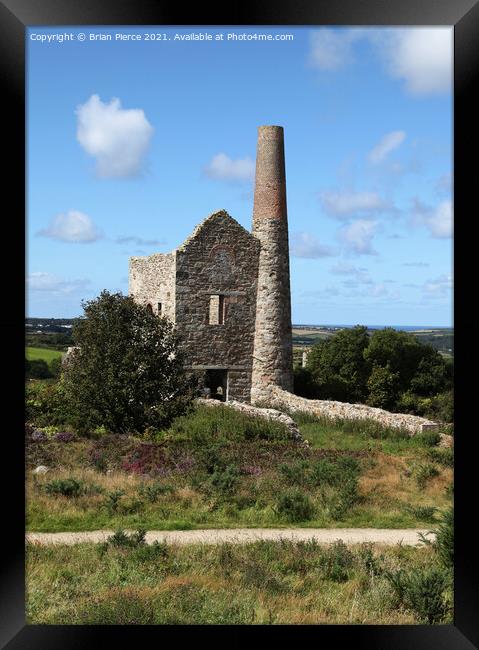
(220, 259)
(152, 280)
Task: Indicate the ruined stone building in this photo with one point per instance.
(227, 290)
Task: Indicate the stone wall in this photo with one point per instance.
(219, 259)
(152, 281)
(282, 400)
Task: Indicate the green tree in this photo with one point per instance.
(419, 369)
(127, 373)
(400, 351)
(433, 374)
(383, 387)
(339, 367)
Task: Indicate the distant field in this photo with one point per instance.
(42, 353)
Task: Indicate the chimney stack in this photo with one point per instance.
(273, 350)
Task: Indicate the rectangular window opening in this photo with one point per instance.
(159, 309)
(217, 310)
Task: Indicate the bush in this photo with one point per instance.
(444, 543)
(127, 372)
(225, 480)
(37, 369)
(120, 539)
(294, 505)
(337, 561)
(428, 438)
(67, 487)
(295, 473)
(423, 591)
(424, 472)
(45, 404)
(335, 473)
(152, 492)
(112, 500)
(443, 456)
(423, 513)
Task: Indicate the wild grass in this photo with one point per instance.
(219, 468)
(47, 355)
(258, 583)
(360, 435)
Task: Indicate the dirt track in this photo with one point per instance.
(407, 536)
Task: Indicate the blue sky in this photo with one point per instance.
(131, 143)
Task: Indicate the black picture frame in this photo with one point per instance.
(15, 16)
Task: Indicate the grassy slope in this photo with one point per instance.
(390, 495)
(264, 582)
(42, 353)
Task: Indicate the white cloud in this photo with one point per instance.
(73, 226)
(359, 275)
(358, 236)
(421, 56)
(343, 205)
(222, 167)
(439, 287)
(139, 241)
(332, 49)
(303, 244)
(43, 282)
(438, 220)
(117, 138)
(388, 143)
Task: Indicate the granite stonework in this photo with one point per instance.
(207, 288)
(282, 400)
(273, 347)
(152, 282)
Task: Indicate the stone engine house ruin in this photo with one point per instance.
(228, 290)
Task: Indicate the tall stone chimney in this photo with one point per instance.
(273, 350)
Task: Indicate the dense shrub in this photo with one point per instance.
(120, 539)
(152, 492)
(46, 404)
(37, 369)
(443, 456)
(337, 561)
(423, 591)
(68, 487)
(294, 505)
(444, 543)
(423, 472)
(225, 480)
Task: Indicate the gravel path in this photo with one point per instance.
(407, 536)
